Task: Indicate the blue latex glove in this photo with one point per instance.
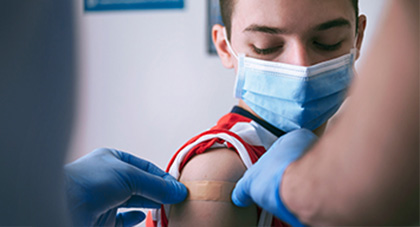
(106, 179)
(261, 183)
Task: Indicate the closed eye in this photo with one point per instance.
(266, 51)
(328, 47)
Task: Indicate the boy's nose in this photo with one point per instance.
(296, 54)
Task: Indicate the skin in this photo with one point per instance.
(214, 165)
(365, 170)
(296, 41)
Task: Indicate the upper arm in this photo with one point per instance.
(214, 165)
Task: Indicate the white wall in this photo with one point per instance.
(146, 82)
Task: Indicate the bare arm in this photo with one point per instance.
(215, 165)
(365, 170)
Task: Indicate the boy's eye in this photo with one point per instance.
(265, 51)
(328, 47)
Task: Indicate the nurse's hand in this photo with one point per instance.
(106, 179)
(261, 183)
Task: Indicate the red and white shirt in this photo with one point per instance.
(238, 130)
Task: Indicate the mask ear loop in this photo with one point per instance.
(237, 90)
(354, 52)
(228, 44)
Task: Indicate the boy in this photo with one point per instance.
(294, 62)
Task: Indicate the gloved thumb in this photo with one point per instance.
(240, 194)
(129, 218)
(176, 192)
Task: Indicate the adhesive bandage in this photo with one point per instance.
(209, 190)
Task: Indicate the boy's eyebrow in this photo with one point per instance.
(264, 29)
(340, 22)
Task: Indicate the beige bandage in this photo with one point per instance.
(209, 190)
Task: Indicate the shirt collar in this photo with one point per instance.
(241, 111)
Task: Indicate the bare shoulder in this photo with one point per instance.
(220, 164)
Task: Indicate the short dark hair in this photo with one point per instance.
(226, 10)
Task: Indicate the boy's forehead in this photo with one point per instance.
(290, 13)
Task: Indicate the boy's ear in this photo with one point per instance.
(360, 33)
(221, 46)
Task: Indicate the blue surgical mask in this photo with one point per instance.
(290, 96)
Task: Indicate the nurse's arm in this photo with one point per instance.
(220, 165)
(365, 170)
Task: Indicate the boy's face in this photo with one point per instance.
(298, 32)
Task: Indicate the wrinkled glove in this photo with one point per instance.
(106, 179)
(261, 183)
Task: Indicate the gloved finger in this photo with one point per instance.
(241, 193)
(140, 202)
(297, 140)
(156, 188)
(129, 218)
(151, 182)
(141, 164)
